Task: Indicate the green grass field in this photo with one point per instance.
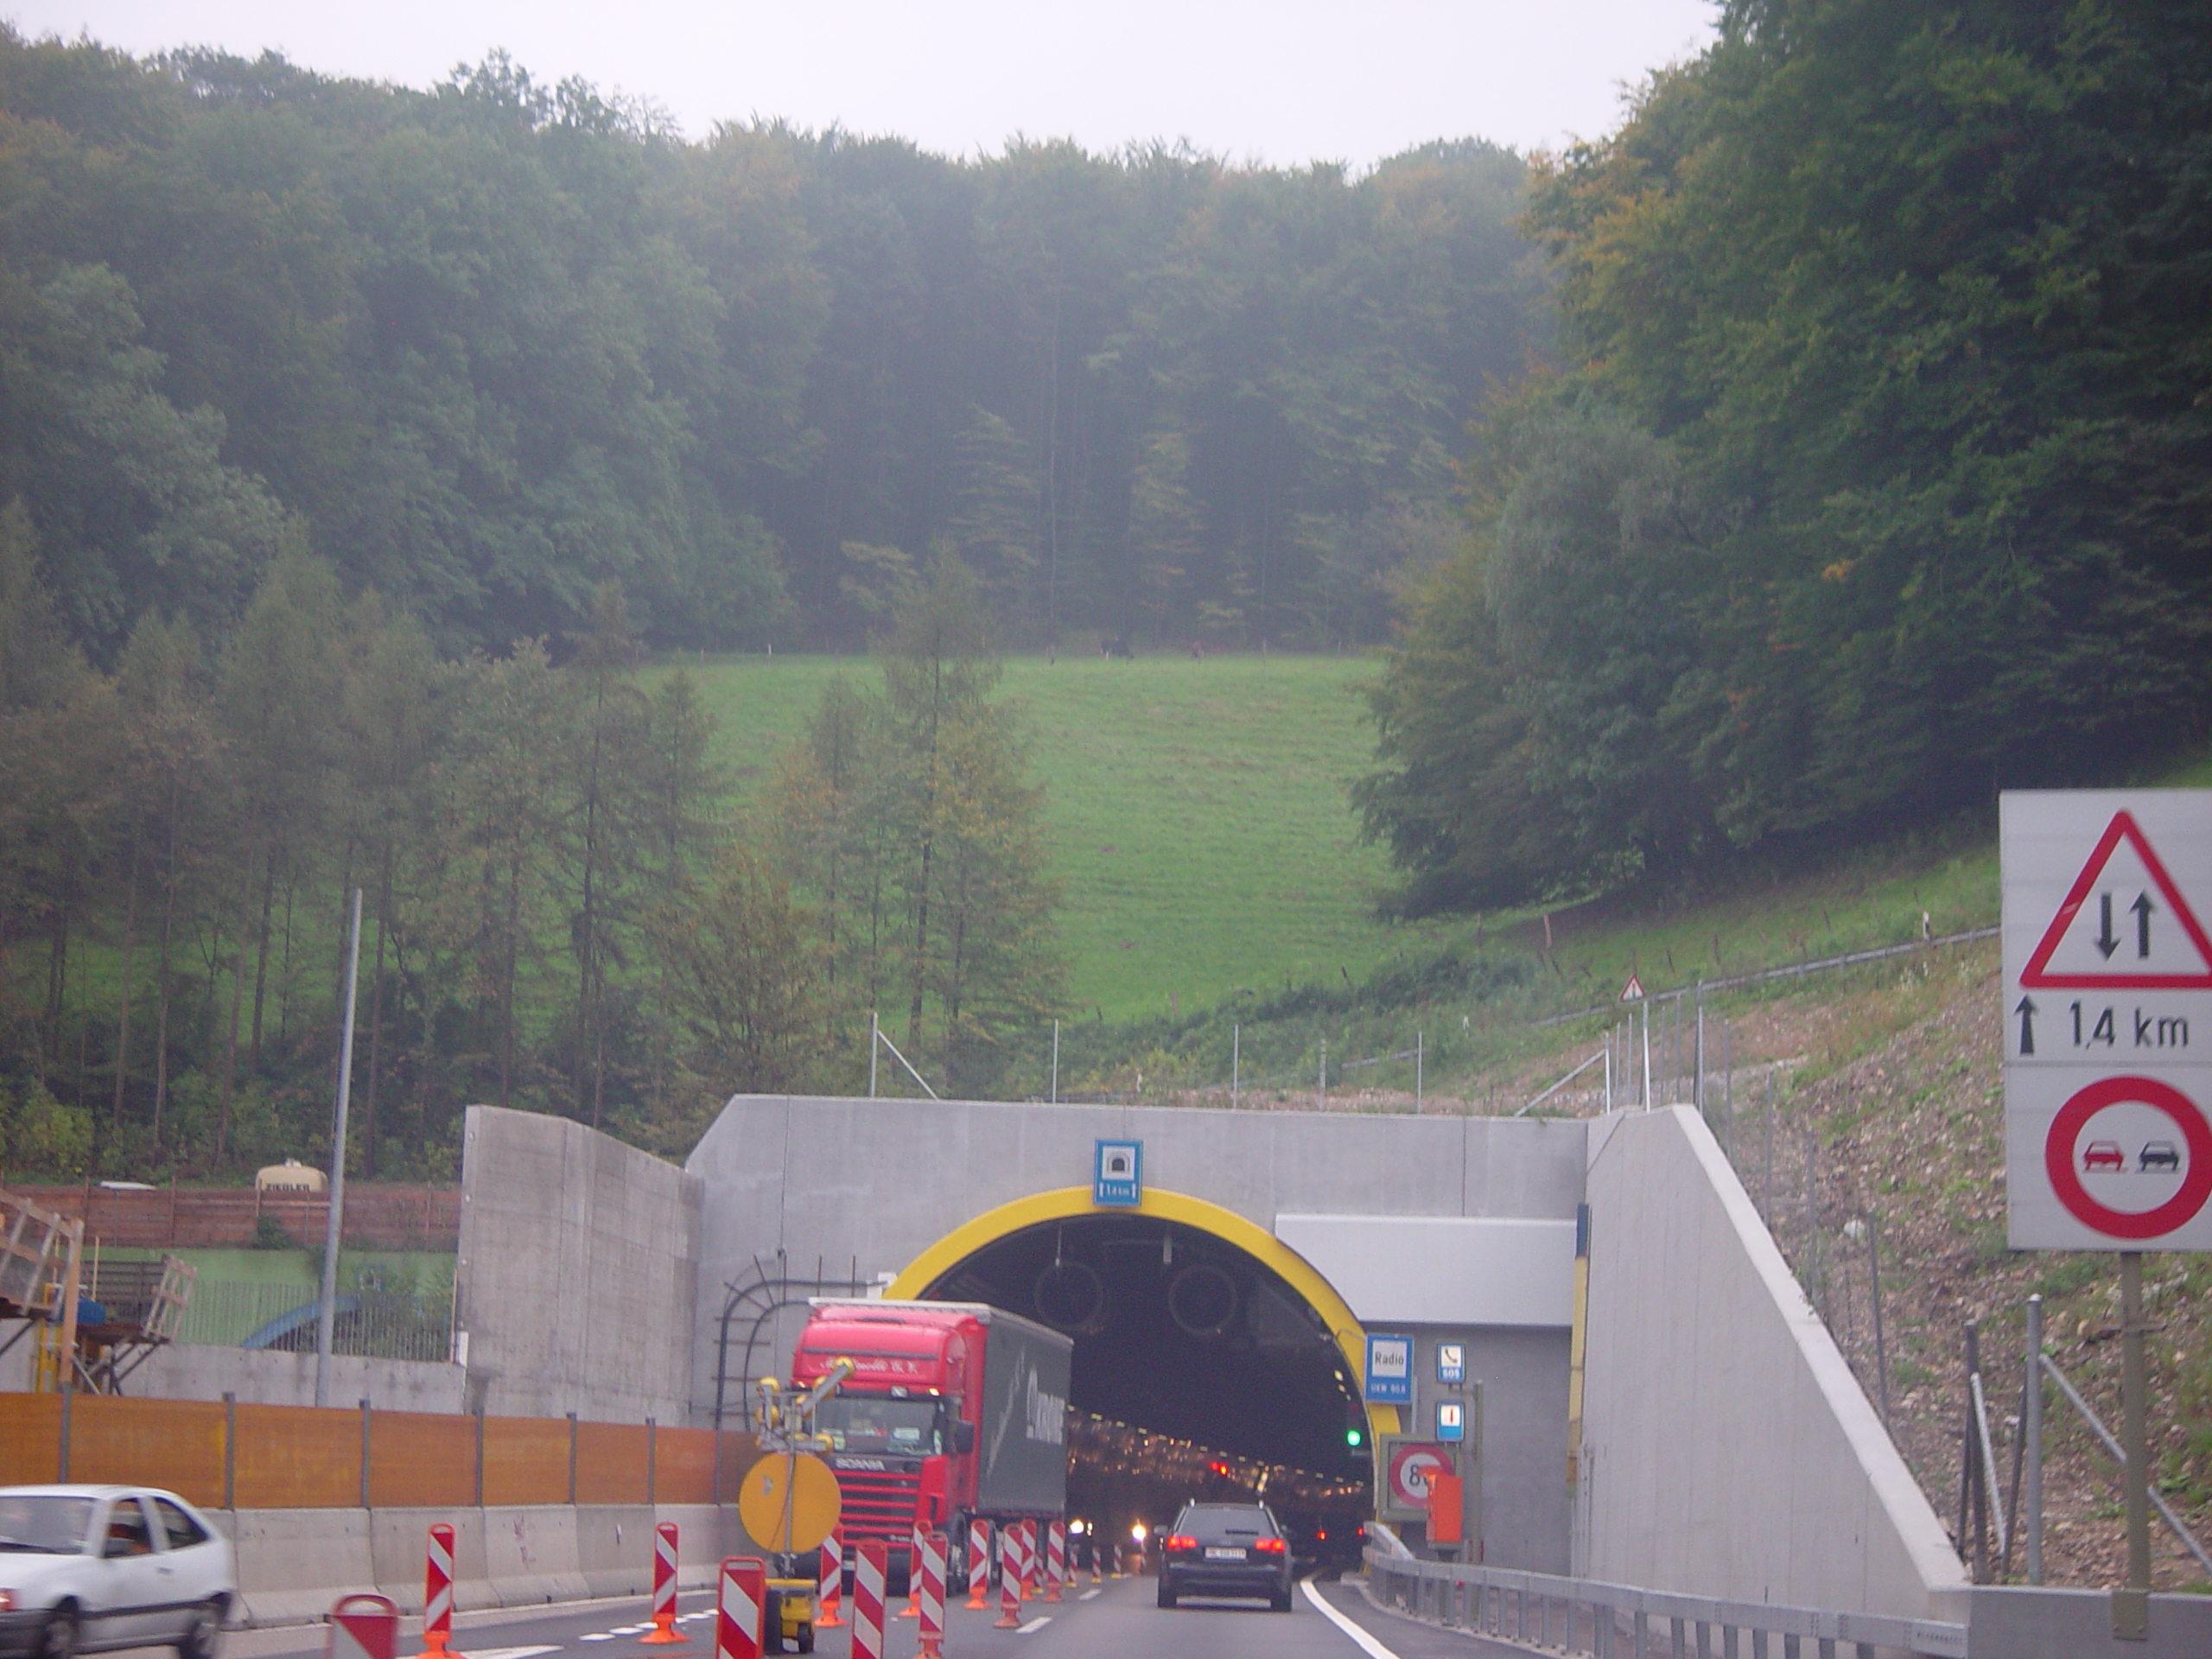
(1200, 830)
(1197, 811)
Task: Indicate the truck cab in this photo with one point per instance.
(953, 1410)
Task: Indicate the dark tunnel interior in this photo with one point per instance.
(1179, 1333)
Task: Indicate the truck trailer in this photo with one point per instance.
(953, 1410)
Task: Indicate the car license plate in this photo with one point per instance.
(1216, 1553)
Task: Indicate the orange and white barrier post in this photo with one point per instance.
(832, 1583)
(1090, 1547)
(912, 1609)
(363, 1627)
(1009, 1616)
(437, 1594)
(871, 1570)
(1056, 1559)
(1033, 1562)
(979, 1563)
(664, 1631)
(931, 1596)
(739, 1606)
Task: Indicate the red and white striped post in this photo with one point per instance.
(931, 1597)
(833, 1580)
(437, 1594)
(871, 1569)
(1056, 1559)
(912, 1609)
(739, 1606)
(1090, 1538)
(664, 1631)
(1009, 1616)
(1033, 1562)
(979, 1563)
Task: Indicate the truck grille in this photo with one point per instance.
(879, 1504)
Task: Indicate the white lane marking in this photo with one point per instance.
(629, 1629)
(511, 1653)
(1036, 1624)
(1087, 1595)
(1373, 1649)
(596, 1636)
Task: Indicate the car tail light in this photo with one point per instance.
(1178, 1541)
(1268, 1546)
(7, 1601)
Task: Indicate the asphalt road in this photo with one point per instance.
(1118, 1620)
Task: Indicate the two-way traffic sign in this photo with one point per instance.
(2107, 1019)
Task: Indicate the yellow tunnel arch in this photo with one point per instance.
(1066, 1202)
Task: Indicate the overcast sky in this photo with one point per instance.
(1282, 81)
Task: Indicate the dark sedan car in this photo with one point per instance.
(1226, 1549)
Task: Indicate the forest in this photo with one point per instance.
(1873, 476)
(1823, 451)
(486, 347)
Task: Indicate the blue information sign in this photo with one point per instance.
(1389, 1370)
(1117, 1175)
(1451, 1362)
(1450, 1420)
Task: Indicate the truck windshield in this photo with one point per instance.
(870, 1422)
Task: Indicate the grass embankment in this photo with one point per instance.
(1196, 809)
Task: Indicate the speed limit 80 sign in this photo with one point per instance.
(2107, 1019)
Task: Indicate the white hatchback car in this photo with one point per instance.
(87, 1568)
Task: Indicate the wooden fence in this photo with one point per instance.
(223, 1455)
(377, 1216)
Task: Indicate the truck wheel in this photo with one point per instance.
(806, 1638)
(771, 1624)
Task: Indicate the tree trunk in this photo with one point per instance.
(231, 1042)
(130, 947)
(261, 958)
(162, 973)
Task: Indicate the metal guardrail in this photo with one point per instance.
(1618, 1620)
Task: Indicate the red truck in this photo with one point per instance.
(953, 1410)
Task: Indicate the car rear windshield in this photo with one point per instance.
(1222, 1523)
(45, 1522)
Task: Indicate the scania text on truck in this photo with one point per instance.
(953, 1410)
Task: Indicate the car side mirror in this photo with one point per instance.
(963, 1439)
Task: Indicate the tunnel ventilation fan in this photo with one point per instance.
(1071, 1297)
(1202, 1299)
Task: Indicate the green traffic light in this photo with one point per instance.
(1353, 1437)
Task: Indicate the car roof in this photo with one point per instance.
(85, 1490)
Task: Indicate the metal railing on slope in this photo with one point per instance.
(1618, 1621)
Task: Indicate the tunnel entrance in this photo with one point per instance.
(1199, 1370)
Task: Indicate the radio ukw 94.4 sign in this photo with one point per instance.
(2107, 1019)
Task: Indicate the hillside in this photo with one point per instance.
(1196, 809)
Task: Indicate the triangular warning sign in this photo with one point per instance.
(1633, 991)
(2124, 925)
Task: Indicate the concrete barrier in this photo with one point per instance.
(530, 1556)
(2012, 1622)
(294, 1563)
(1728, 1450)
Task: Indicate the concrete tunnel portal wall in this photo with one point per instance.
(1441, 1228)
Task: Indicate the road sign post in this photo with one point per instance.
(2107, 1030)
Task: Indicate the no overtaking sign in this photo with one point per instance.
(2108, 1019)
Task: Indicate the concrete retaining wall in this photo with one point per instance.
(262, 1377)
(294, 1563)
(1727, 1449)
(578, 1272)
